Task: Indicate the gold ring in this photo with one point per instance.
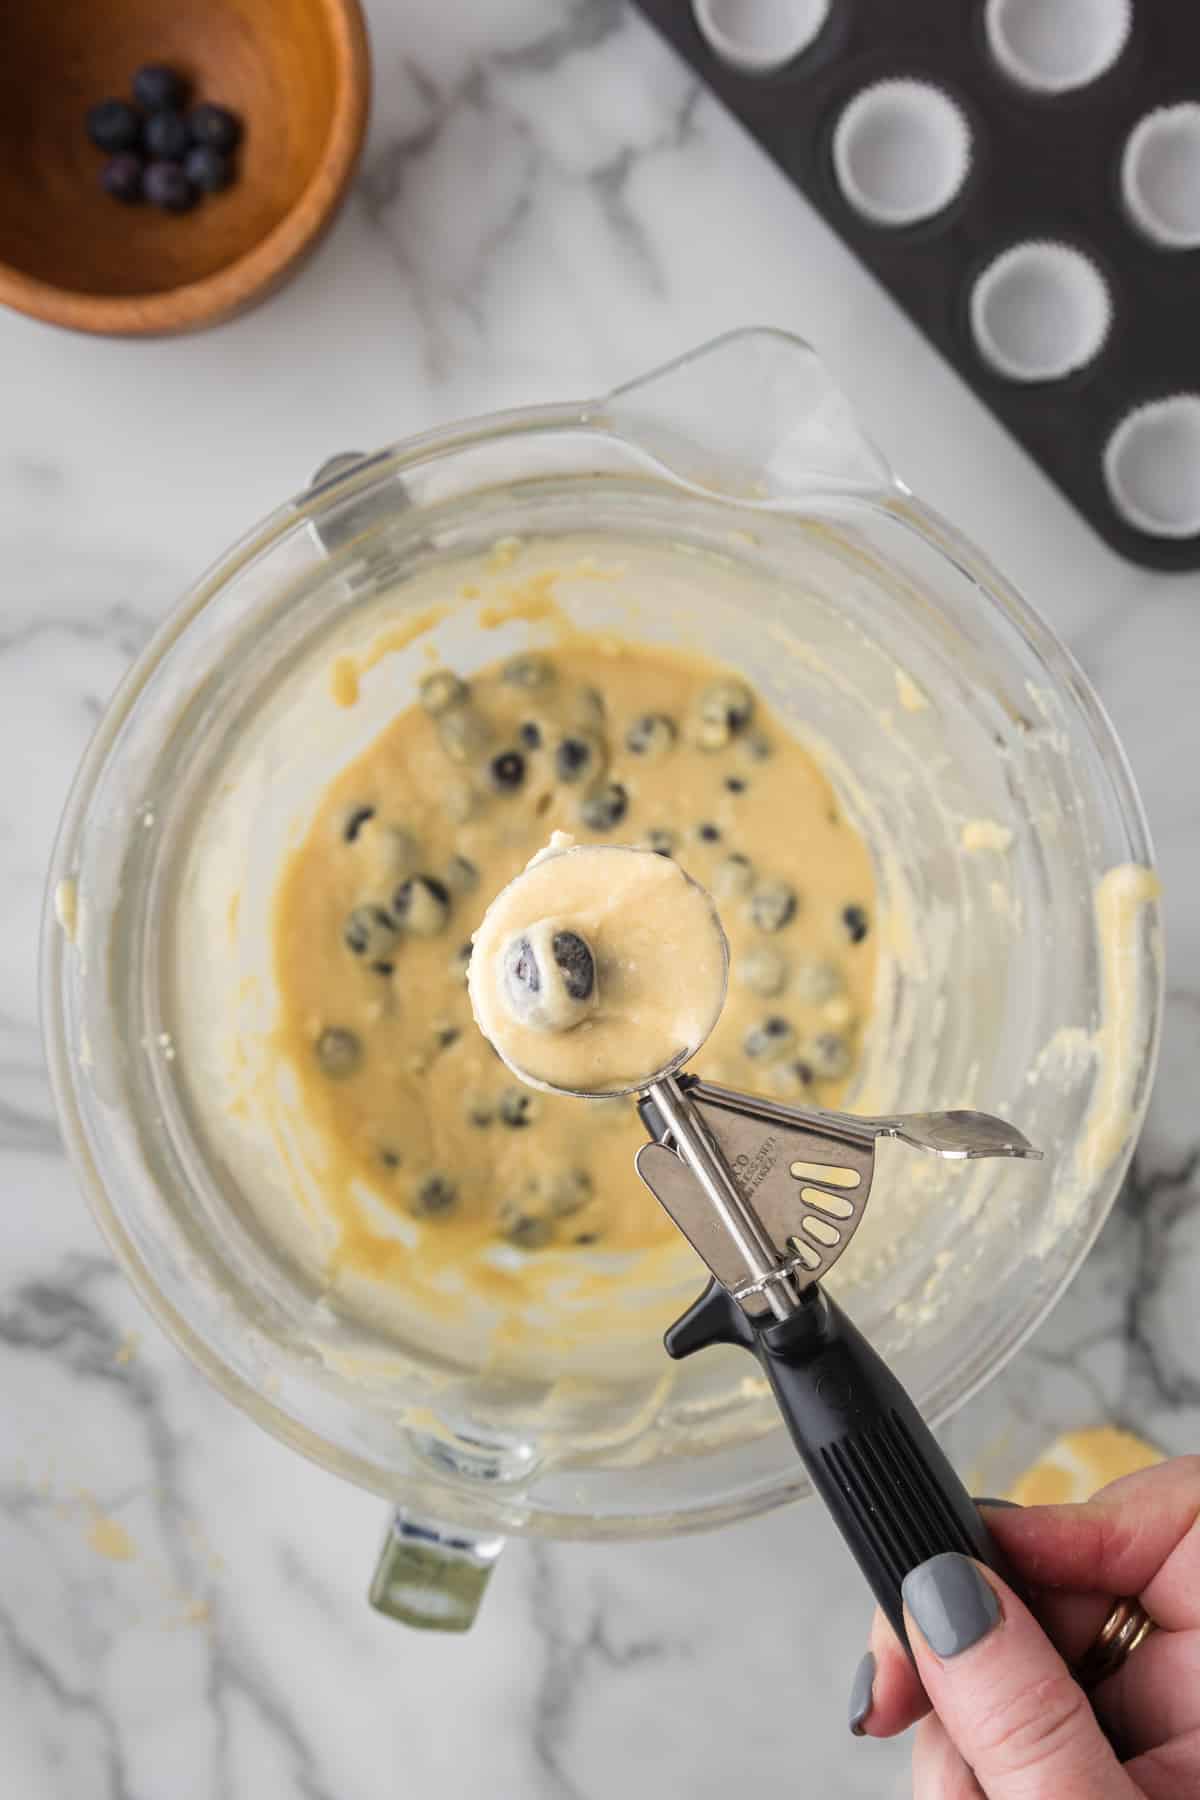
(1127, 1626)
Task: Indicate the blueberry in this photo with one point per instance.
(575, 959)
(604, 807)
(527, 671)
(155, 86)
(445, 1034)
(854, 918)
(440, 691)
(568, 1192)
(708, 833)
(167, 186)
(339, 1053)
(829, 1056)
(214, 127)
(770, 1040)
(355, 820)
(661, 841)
(530, 734)
(524, 1226)
(165, 136)
(733, 875)
(113, 125)
(507, 771)
(724, 710)
(421, 905)
(763, 971)
(124, 177)
(391, 1159)
(209, 169)
(549, 975)
(575, 758)
(461, 877)
(790, 1079)
(773, 905)
(435, 1193)
(521, 967)
(518, 1108)
(650, 736)
(369, 931)
(383, 968)
(734, 784)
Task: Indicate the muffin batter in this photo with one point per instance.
(375, 909)
(598, 969)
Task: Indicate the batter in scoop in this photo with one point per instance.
(598, 969)
(615, 743)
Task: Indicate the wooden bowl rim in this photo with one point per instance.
(227, 290)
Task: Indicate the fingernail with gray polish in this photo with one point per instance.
(951, 1602)
(990, 1500)
(861, 1695)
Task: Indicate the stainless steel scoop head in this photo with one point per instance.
(770, 1195)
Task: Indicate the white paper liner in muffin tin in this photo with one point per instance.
(760, 35)
(917, 124)
(1152, 467)
(1053, 46)
(1160, 176)
(1040, 311)
(901, 152)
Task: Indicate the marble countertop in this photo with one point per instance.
(548, 205)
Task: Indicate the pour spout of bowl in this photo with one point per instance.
(753, 416)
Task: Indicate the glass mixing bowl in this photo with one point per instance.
(1019, 938)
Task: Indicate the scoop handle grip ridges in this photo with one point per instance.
(893, 1493)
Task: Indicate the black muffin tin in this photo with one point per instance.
(1043, 167)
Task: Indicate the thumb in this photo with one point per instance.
(1002, 1691)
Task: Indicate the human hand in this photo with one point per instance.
(1008, 1722)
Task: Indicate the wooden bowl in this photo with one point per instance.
(297, 72)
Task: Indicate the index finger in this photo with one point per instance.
(1136, 1537)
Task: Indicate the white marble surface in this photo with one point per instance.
(547, 205)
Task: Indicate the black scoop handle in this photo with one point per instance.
(869, 1454)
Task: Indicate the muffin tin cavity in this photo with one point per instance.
(760, 35)
(1023, 176)
(1152, 467)
(1039, 312)
(1052, 46)
(901, 152)
(1160, 176)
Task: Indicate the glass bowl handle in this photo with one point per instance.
(753, 416)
